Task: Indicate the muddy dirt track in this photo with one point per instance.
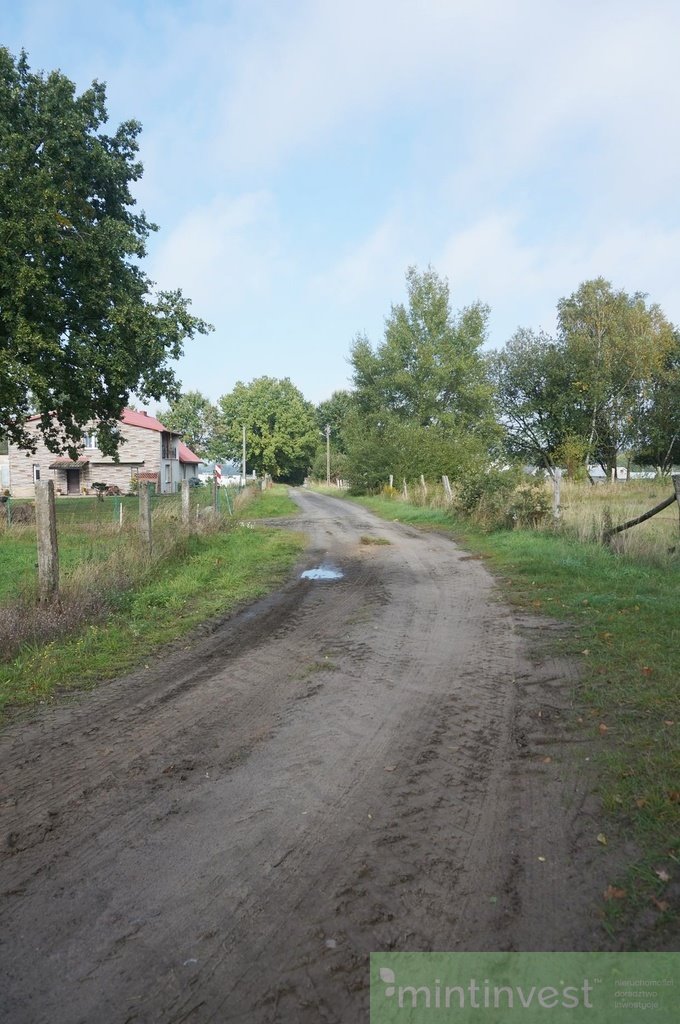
(381, 761)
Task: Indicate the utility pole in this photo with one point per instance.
(243, 464)
(327, 431)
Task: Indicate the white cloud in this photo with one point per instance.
(317, 66)
(222, 254)
(491, 261)
(371, 265)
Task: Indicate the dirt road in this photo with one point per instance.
(375, 761)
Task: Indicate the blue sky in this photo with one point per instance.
(299, 156)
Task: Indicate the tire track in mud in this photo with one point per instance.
(345, 766)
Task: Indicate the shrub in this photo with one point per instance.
(503, 499)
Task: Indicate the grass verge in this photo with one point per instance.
(207, 576)
(627, 642)
(270, 504)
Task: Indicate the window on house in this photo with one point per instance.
(4, 446)
(89, 440)
(36, 473)
(168, 474)
(168, 447)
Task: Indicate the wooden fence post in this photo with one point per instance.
(557, 507)
(186, 503)
(405, 490)
(145, 516)
(676, 484)
(447, 488)
(46, 533)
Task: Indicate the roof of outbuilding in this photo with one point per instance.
(186, 454)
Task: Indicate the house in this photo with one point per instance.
(150, 453)
(188, 462)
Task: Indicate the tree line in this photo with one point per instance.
(428, 399)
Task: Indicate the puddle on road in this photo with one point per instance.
(322, 572)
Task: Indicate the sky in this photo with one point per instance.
(300, 155)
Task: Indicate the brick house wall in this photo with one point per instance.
(149, 453)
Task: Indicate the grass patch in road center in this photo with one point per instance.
(627, 643)
(217, 572)
(270, 504)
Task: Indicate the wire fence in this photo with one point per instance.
(93, 531)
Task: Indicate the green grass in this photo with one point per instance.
(205, 576)
(216, 573)
(18, 557)
(270, 504)
(87, 532)
(627, 642)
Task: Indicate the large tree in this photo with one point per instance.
(334, 412)
(533, 384)
(423, 400)
(605, 384)
(281, 430)
(658, 441)
(616, 345)
(80, 326)
(193, 416)
(428, 369)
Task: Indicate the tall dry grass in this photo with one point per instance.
(589, 511)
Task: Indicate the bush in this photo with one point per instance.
(503, 499)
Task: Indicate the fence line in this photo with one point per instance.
(675, 497)
(98, 531)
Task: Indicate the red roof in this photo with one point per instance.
(186, 454)
(142, 419)
(133, 419)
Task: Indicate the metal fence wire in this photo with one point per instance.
(92, 531)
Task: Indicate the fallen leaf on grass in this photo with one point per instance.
(641, 802)
(647, 671)
(547, 760)
(668, 721)
(674, 796)
(542, 859)
(661, 904)
(602, 839)
(390, 767)
(603, 728)
(662, 874)
(612, 893)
